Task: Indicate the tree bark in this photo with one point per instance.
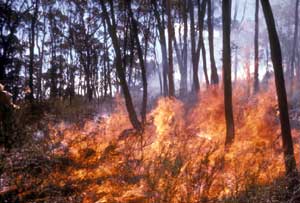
(183, 83)
(41, 58)
(256, 60)
(204, 63)
(295, 41)
(226, 19)
(53, 69)
(196, 84)
(287, 141)
(170, 51)
(214, 72)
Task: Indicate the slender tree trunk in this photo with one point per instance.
(214, 72)
(109, 80)
(181, 51)
(295, 42)
(53, 69)
(40, 71)
(86, 62)
(256, 60)
(72, 66)
(288, 148)
(204, 63)
(170, 47)
(184, 54)
(120, 70)
(226, 19)
(142, 64)
(163, 45)
(201, 45)
(72, 79)
(131, 59)
(104, 79)
(248, 74)
(196, 84)
(31, 54)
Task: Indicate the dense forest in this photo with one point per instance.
(149, 101)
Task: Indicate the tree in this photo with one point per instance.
(204, 63)
(142, 63)
(226, 19)
(87, 47)
(32, 42)
(12, 16)
(295, 42)
(170, 39)
(41, 53)
(256, 60)
(201, 15)
(196, 85)
(54, 66)
(287, 141)
(195, 48)
(183, 68)
(214, 73)
(120, 70)
(162, 39)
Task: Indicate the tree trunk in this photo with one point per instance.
(181, 51)
(204, 63)
(41, 58)
(294, 47)
(170, 49)
(53, 69)
(196, 85)
(183, 82)
(142, 64)
(247, 71)
(201, 45)
(120, 70)
(288, 149)
(87, 73)
(214, 72)
(256, 60)
(31, 50)
(163, 45)
(106, 63)
(226, 19)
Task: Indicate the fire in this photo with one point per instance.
(180, 157)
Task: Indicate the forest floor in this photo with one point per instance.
(79, 153)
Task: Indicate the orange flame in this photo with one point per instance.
(180, 157)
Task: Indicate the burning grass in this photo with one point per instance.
(179, 158)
